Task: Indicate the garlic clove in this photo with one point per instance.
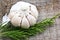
(34, 11)
(31, 20)
(16, 21)
(11, 15)
(25, 23)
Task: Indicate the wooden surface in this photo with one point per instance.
(46, 8)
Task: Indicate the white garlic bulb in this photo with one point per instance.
(23, 14)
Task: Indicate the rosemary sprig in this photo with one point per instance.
(17, 33)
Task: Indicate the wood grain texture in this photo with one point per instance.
(46, 8)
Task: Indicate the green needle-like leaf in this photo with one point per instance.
(17, 33)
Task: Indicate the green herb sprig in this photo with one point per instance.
(17, 33)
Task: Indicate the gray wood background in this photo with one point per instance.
(46, 8)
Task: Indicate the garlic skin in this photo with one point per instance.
(12, 14)
(25, 23)
(23, 14)
(31, 20)
(16, 20)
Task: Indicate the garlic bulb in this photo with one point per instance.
(23, 14)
